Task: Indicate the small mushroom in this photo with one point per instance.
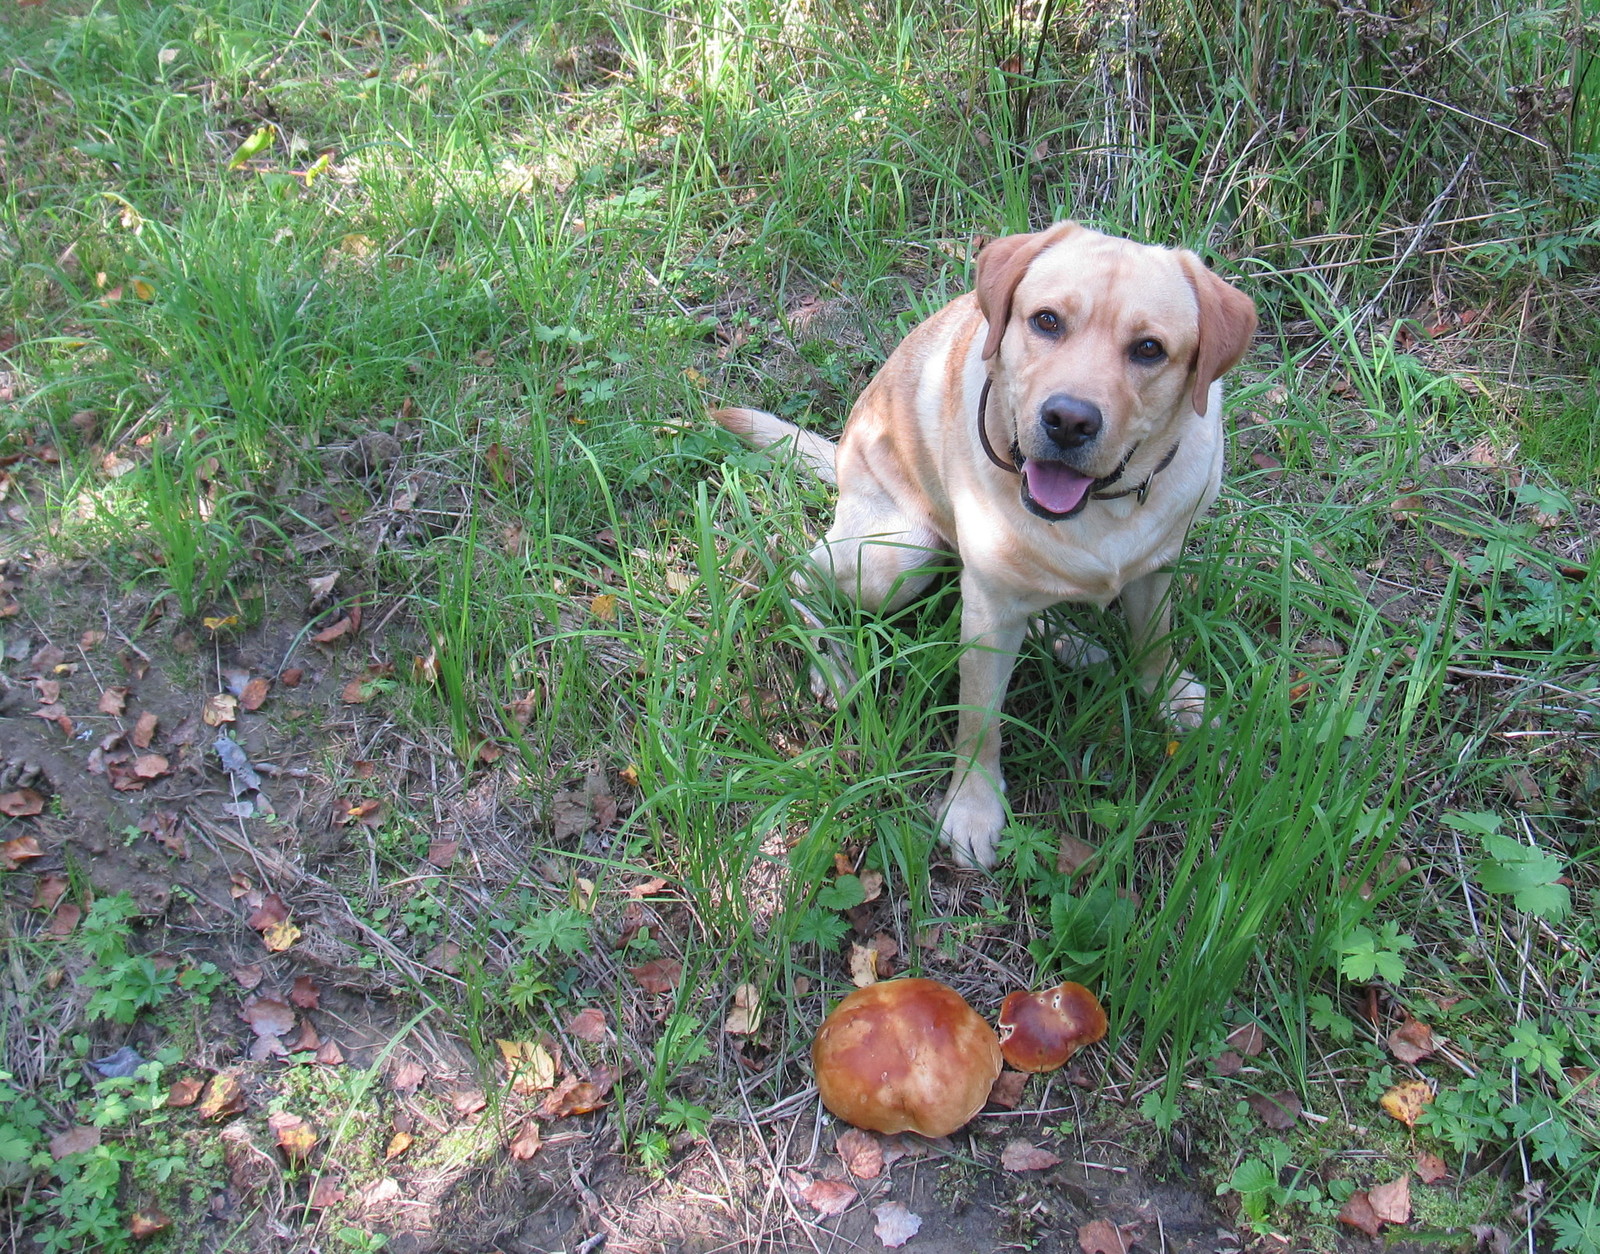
(1040, 1031)
(905, 1056)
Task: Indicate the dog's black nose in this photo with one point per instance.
(1068, 421)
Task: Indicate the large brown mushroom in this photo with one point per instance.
(905, 1056)
(1040, 1031)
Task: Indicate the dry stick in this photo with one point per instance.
(1429, 218)
(772, 1164)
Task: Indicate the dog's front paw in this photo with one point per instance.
(1184, 706)
(970, 821)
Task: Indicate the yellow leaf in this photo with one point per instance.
(319, 166)
(529, 1066)
(1405, 1101)
(216, 624)
(695, 377)
(604, 607)
(399, 1143)
(279, 936)
(142, 289)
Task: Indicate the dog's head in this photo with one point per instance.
(1101, 352)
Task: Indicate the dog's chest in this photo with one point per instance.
(1044, 564)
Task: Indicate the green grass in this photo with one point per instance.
(546, 237)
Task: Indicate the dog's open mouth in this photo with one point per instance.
(1054, 490)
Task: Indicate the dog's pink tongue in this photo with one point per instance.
(1058, 488)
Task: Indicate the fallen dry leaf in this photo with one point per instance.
(744, 1019)
(1020, 1155)
(468, 1101)
(1247, 1039)
(578, 1097)
(1228, 1063)
(113, 701)
(185, 1092)
(1430, 1167)
(65, 918)
(222, 1096)
(75, 1140)
(255, 692)
(219, 708)
(344, 627)
(1101, 1236)
(660, 975)
(267, 1016)
(329, 1054)
(589, 1024)
(861, 1152)
(863, 965)
(399, 1143)
(1007, 1089)
(326, 1192)
(1357, 1212)
(248, 976)
(280, 936)
(1406, 1100)
(15, 852)
(1412, 1041)
(407, 1075)
(21, 804)
(828, 1196)
(146, 1223)
(1279, 1111)
(273, 909)
(526, 1143)
(1391, 1202)
(48, 890)
(895, 1224)
(442, 852)
(604, 607)
(530, 1067)
(648, 889)
(151, 766)
(295, 1137)
(305, 993)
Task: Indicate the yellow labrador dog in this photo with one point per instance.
(1057, 430)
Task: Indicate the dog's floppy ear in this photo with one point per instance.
(1227, 324)
(1001, 266)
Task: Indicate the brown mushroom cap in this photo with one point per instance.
(1040, 1031)
(905, 1056)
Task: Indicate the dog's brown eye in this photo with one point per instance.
(1045, 323)
(1148, 350)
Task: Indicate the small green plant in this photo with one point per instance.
(1530, 876)
(1364, 953)
(124, 983)
(1260, 1185)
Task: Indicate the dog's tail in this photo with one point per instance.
(759, 429)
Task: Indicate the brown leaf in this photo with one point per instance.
(1247, 1039)
(863, 965)
(1268, 463)
(1007, 1089)
(1101, 1236)
(325, 1192)
(1412, 1041)
(296, 1138)
(113, 701)
(443, 852)
(151, 766)
(1228, 1063)
(48, 890)
(291, 678)
(305, 993)
(577, 1097)
(861, 1152)
(369, 812)
(526, 1143)
(589, 1024)
(1021, 1155)
(329, 1054)
(146, 1223)
(21, 804)
(255, 692)
(357, 691)
(185, 1092)
(1406, 1100)
(399, 1143)
(648, 889)
(1280, 1111)
(273, 909)
(248, 976)
(307, 1041)
(468, 1101)
(1391, 1202)
(75, 1140)
(1430, 1167)
(1072, 855)
(64, 919)
(15, 852)
(1357, 1212)
(267, 1016)
(660, 975)
(222, 1096)
(339, 629)
(895, 1224)
(828, 1196)
(407, 1075)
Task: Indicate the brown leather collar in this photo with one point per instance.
(1141, 491)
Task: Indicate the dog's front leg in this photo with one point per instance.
(974, 809)
(1147, 604)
